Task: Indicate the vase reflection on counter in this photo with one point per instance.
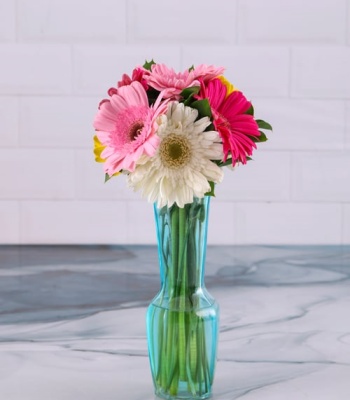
(182, 320)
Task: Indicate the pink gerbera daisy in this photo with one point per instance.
(126, 126)
(207, 72)
(236, 128)
(170, 83)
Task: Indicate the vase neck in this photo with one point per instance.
(182, 240)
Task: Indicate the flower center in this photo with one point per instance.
(174, 151)
(135, 129)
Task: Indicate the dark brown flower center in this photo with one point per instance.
(135, 130)
(174, 151)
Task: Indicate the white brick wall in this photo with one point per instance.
(98, 67)
(7, 20)
(259, 180)
(71, 21)
(304, 124)
(9, 217)
(73, 222)
(347, 132)
(35, 69)
(258, 71)
(90, 183)
(37, 174)
(9, 121)
(59, 57)
(346, 223)
(321, 72)
(295, 22)
(56, 122)
(325, 176)
(300, 223)
(196, 21)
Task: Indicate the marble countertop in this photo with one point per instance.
(72, 322)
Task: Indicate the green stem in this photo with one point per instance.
(182, 269)
(171, 351)
(161, 371)
(174, 249)
(183, 358)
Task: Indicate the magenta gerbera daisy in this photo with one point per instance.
(126, 126)
(237, 129)
(138, 74)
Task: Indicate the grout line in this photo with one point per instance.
(346, 117)
(181, 56)
(347, 23)
(290, 75)
(227, 200)
(72, 69)
(342, 224)
(127, 21)
(16, 21)
(76, 178)
(19, 122)
(20, 221)
(235, 213)
(237, 41)
(291, 174)
(102, 94)
(310, 150)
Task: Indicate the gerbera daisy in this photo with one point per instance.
(126, 127)
(137, 75)
(182, 166)
(236, 128)
(98, 149)
(207, 72)
(170, 83)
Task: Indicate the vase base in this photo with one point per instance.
(181, 396)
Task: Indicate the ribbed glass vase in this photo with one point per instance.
(182, 320)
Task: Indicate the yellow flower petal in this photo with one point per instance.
(230, 88)
(98, 148)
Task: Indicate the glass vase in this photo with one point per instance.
(183, 318)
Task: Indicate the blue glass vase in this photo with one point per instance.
(183, 318)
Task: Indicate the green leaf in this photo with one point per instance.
(188, 101)
(263, 124)
(227, 162)
(148, 64)
(189, 92)
(162, 211)
(188, 95)
(191, 68)
(203, 108)
(211, 127)
(107, 178)
(212, 189)
(250, 110)
(195, 211)
(262, 137)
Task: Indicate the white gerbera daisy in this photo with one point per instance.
(182, 166)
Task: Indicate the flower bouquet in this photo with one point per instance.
(170, 134)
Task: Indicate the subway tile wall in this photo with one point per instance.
(58, 58)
